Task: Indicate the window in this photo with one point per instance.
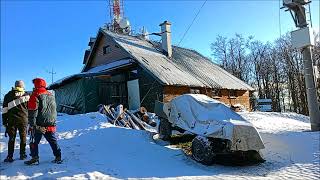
(232, 94)
(216, 93)
(106, 49)
(194, 91)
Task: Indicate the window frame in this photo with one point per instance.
(106, 49)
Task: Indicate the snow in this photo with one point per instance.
(268, 123)
(109, 66)
(95, 149)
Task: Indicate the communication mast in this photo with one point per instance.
(119, 23)
(303, 39)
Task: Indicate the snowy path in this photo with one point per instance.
(94, 149)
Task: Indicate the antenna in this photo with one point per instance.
(52, 73)
(116, 10)
(119, 23)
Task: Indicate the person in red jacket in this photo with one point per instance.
(42, 115)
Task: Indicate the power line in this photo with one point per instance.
(52, 73)
(192, 22)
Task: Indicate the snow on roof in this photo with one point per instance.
(109, 66)
(186, 67)
(92, 72)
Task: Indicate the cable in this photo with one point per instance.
(192, 22)
(152, 86)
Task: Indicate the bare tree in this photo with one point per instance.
(231, 54)
(274, 69)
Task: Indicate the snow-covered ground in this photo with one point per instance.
(95, 149)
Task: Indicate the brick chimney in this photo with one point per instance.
(166, 38)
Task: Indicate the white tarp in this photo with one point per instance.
(204, 116)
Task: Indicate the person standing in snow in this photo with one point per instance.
(15, 117)
(42, 121)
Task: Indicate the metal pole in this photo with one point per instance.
(52, 73)
(300, 20)
(313, 105)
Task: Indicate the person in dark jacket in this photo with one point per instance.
(15, 117)
(42, 117)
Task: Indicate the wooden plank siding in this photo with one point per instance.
(241, 96)
(113, 54)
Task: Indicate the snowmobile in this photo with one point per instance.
(221, 135)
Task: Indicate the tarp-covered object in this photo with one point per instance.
(207, 117)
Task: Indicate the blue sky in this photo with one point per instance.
(39, 35)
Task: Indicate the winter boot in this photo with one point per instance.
(23, 156)
(32, 161)
(57, 160)
(8, 159)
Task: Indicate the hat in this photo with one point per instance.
(19, 83)
(39, 83)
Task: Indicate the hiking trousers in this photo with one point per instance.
(52, 140)
(12, 132)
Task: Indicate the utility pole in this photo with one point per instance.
(303, 39)
(52, 73)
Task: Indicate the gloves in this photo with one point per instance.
(41, 129)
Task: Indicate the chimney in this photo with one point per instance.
(166, 38)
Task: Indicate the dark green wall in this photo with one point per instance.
(150, 90)
(87, 93)
(71, 94)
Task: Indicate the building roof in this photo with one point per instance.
(185, 68)
(104, 69)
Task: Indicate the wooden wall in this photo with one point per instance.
(241, 96)
(115, 52)
(170, 92)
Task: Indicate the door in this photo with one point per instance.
(133, 94)
(113, 93)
